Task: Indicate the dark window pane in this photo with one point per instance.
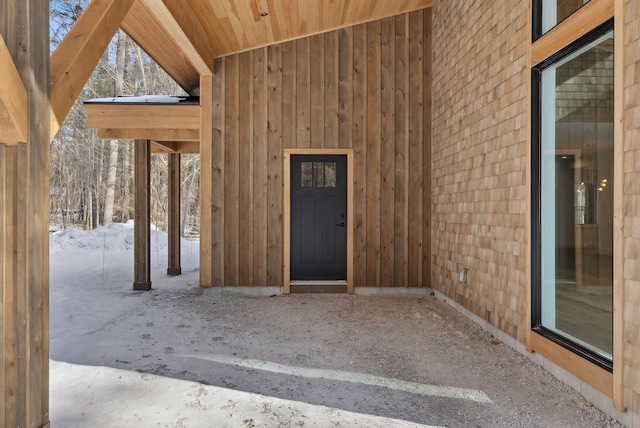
(307, 174)
(318, 174)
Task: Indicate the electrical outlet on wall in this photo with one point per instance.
(462, 277)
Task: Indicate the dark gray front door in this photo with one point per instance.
(318, 217)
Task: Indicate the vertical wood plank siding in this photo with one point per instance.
(350, 88)
(480, 157)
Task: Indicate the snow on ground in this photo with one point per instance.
(91, 284)
(91, 269)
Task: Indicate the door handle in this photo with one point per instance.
(340, 224)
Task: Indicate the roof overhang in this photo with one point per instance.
(172, 123)
(185, 36)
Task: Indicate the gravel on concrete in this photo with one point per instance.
(413, 359)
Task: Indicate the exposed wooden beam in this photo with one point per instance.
(141, 25)
(123, 116)
(13, 100)
(171, 128)
(153, 134)
(186, 33)
(76, 57)
(178, 147)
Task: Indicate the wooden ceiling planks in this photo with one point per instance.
(226, 27)
(175, 12)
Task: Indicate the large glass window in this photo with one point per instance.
(553, 12)
(573, 231)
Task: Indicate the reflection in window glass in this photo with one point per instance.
(576, 206)
(318, 174)
(555, 11)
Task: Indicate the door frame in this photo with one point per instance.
(287, 211)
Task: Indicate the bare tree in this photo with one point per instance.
(112, 163)
(91, 179)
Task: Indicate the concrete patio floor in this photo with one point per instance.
(316, 360)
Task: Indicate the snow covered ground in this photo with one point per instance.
(91, 286)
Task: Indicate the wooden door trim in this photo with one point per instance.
(287, 211)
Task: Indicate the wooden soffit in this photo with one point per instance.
(184, 36)
(174, 127)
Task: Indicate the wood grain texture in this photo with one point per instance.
(182, 24)
(5, 275)
(76, 57)
(260, 165)
(627, 202)
(479, 156)
(331, 90)
(588, 17)
(401, 155)
(618, 206)
(600, 379)
(316, 66)
(232, 171)
(173, 223)
(245, 169)
(420, 201)
(303, 93)
(343, 90)
(207, 183)
(216, 170)
(183, 36)
(13, 100)
(275, 164)
(24, 208)
(155, 134)
(359, 142)
(373, 195)
(161, 44)
(388, 153)
(142, 216)
(160, 117)
(18, 320)
(286, 223)
(179, 147)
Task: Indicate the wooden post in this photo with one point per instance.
(173, 267)
(24, 217)
(209, 271)
(142, 227)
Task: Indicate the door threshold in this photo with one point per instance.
(339, 286)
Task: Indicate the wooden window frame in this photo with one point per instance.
(584, 20)
(574, 27)
(287, 211)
